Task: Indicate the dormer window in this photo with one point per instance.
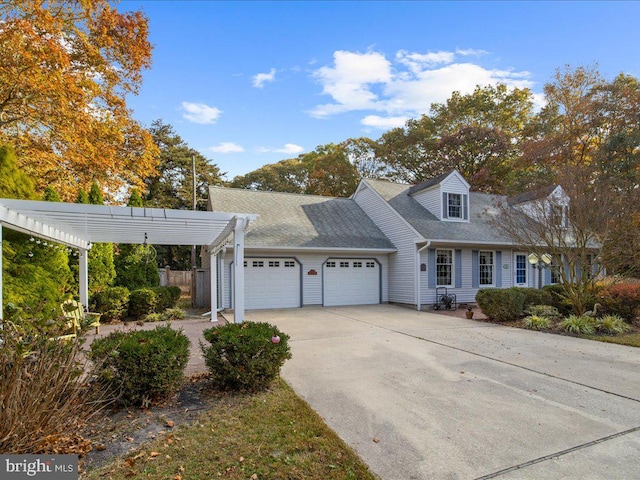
(454, 206)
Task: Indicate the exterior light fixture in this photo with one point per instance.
(540, 262)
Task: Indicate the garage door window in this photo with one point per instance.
(357, 264)
(289, 264)
(274, 264)
(371, 265)
(344, 264)
(331, 264)
(258, 264)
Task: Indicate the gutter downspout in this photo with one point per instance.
(420, 250)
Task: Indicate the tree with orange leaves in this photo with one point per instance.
(66, 67)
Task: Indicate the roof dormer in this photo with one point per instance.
(445, 196)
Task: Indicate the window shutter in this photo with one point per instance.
(458, 260)
(498, 267)
(475, 269)
(547, 276)
(431, 267)
(445, 205)
(465, 207)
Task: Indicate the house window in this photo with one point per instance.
(290, 264)
(521, 269)
(331, 264)
(444, 268)
(344, 264)
(454, 206)
(274, 264)
(555, 276)
(485, 260)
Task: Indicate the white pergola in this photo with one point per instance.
(80, 225)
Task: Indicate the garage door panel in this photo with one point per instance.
(271, 283)
(351, 282)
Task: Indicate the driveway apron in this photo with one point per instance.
(426, 396)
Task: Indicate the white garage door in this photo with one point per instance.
(351, 281)
(271, 283)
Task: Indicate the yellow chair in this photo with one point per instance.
(77, 318)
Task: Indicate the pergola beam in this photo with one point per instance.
(80, 225)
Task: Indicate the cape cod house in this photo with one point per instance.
(389, 242)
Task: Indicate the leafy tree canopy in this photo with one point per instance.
(67, 67)
(172, 186)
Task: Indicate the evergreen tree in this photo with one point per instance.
(36, 273)
(101, 266)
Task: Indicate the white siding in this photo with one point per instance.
(311, 284)
(466, 293)
(431, 199)
(454, 184)
(402, 265)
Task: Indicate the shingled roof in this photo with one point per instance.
(292, 220)
(482, 209)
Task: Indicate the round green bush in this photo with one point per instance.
(167, 297)
(112, 303)
(142, 301)
(143, 366)
(245, 356)
(534, 296)
(501, 305)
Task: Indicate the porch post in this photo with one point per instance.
(84, 277)
(238, 270)
(213, 269)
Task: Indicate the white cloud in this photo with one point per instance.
(261, 78)
(227, 147)
(405, 87)
(348, 81)
(289, 149)
(200, 113)
(383, 123)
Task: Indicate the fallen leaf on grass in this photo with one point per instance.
(169, 423)
(154, 454)
(376, 439)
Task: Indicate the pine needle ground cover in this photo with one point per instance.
(273, 434)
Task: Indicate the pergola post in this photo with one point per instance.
(238, 270)
(84, 277)
(213, 264)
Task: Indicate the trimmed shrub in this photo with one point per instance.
(168, 297)
(142, 302)
(543, 311)
(621, 299)
(534, 296)
(112, 303)
(500, 304)
(580, 325)
(245, 356)
(613, 325)
(144, 366)
(557, 298)
(537, 322)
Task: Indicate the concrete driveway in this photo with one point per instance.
(426, 396)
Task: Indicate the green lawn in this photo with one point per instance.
(631, 339)
(273, 434)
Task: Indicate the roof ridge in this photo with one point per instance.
(278, 193)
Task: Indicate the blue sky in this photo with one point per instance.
(251, 83)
